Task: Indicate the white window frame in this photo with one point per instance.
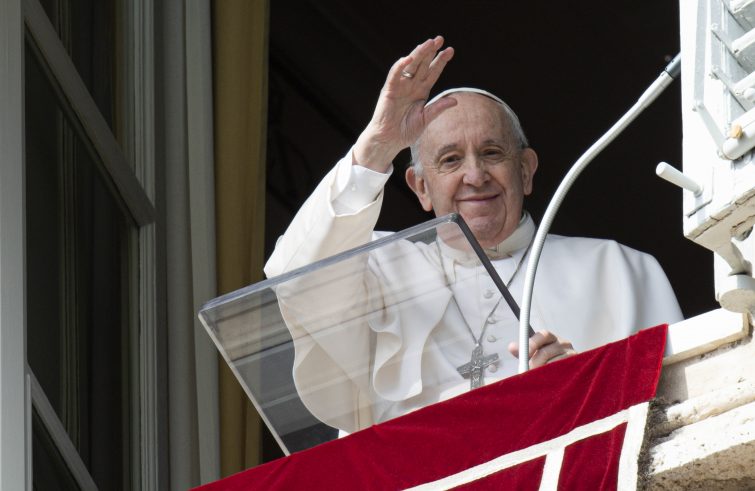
(15, 405)
(150, 459)
(135, 187)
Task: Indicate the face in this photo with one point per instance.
(472, 165)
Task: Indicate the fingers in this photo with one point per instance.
(419, 59)
(438, 63)
(545, 347)
(549, 352)
(422, 66)
(399, 68)
(406, 67)
(433, 110)
(428, 53)
(400, 116)
(433, 73)
(537, 341)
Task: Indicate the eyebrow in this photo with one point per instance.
(445, 148)
(453, 146)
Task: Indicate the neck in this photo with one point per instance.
(455, 245)
(518, 239)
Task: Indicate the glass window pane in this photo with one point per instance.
(77, 286)
(88, 30)
(50, 470)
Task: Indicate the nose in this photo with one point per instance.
(475, 171)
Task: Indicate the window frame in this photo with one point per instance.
(15, 395)
(133, 183)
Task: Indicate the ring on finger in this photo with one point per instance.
(406, 74)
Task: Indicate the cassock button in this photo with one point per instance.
(492, 368)
(492, 339)
(488, 294)
(492, 319)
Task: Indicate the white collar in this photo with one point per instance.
(512, 246)
(519, 239)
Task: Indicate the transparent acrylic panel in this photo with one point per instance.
(367, 335)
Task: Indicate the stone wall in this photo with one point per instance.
(701, 435)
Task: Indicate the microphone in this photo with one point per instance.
(666, 78)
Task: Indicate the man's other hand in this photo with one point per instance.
(545, 347)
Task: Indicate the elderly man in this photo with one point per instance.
(469, 156)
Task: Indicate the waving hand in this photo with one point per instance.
(400, 114)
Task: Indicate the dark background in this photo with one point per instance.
(569, 69)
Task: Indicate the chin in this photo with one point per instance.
(487, 235)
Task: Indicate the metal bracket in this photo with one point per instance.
(719, 74)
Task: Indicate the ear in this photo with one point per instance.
(418, 184)
(529, 166)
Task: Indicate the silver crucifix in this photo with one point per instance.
(476, 365)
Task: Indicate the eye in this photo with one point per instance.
(450, 162)
(493, 154)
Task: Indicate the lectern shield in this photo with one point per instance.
(367, 335)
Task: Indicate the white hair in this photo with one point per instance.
(516, 126)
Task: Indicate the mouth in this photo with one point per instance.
(478, 199)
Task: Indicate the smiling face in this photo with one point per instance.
(473, 165)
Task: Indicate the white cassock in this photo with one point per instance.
(393, 357)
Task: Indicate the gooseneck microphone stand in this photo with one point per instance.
(667, 76)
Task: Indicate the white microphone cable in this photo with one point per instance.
(667, 76)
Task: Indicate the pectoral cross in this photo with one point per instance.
(478, 363)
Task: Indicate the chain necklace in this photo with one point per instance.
(478, 362)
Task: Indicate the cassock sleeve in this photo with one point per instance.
(325, 310)
(339, 215)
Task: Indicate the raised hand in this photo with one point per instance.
(400, 114)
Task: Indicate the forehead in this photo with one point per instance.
(474, 119)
